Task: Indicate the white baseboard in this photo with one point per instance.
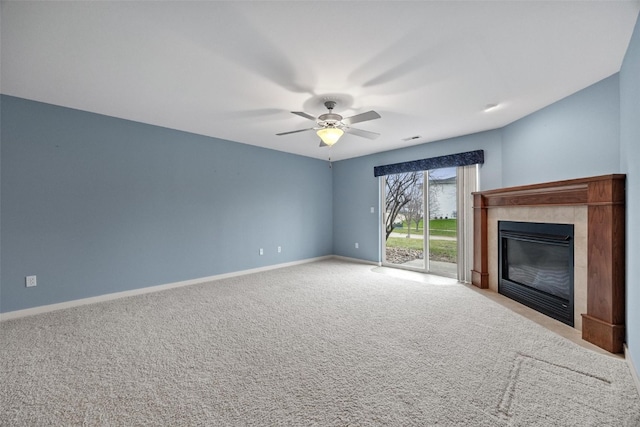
(632, 368)
(116, 295)
(357, 260)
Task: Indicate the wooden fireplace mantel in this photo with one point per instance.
(604, 196)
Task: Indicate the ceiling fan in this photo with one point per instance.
(331, 126)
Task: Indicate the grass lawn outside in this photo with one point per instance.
(443, 227)
(437, 227)
(439, 250)
(443, 250)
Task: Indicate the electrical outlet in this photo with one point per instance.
(357, 245)
(261, 251)
(31, 281)
(279, 249)
(373, 209)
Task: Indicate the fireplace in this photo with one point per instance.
(536, 266)
(596, 206)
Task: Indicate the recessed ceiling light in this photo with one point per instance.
(411, 138)
(490, 107)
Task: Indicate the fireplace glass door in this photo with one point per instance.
(540, 266)
(536, 266)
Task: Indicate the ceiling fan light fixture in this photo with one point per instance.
(330, 135)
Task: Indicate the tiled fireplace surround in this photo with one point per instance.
(595, 206)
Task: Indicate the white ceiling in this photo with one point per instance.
(235, 70)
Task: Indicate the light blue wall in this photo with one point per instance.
(630, 164)
(575, 137)
(93, 205)
(356, 190)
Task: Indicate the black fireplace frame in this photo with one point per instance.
(554, 234)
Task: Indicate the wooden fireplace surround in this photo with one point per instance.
(604, 196)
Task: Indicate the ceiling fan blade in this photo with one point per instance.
(363, 117)
(363, 133)
(322, 144)
(293, 131)
(305, 115)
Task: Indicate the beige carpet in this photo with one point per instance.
(327, 343)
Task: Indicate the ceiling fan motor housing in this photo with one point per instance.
(329, 119)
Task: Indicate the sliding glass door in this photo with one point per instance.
(419, 230)
(443, 220)
(404, 225)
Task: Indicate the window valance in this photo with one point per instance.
(450, 160)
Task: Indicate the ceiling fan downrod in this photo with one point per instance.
(330, 105)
